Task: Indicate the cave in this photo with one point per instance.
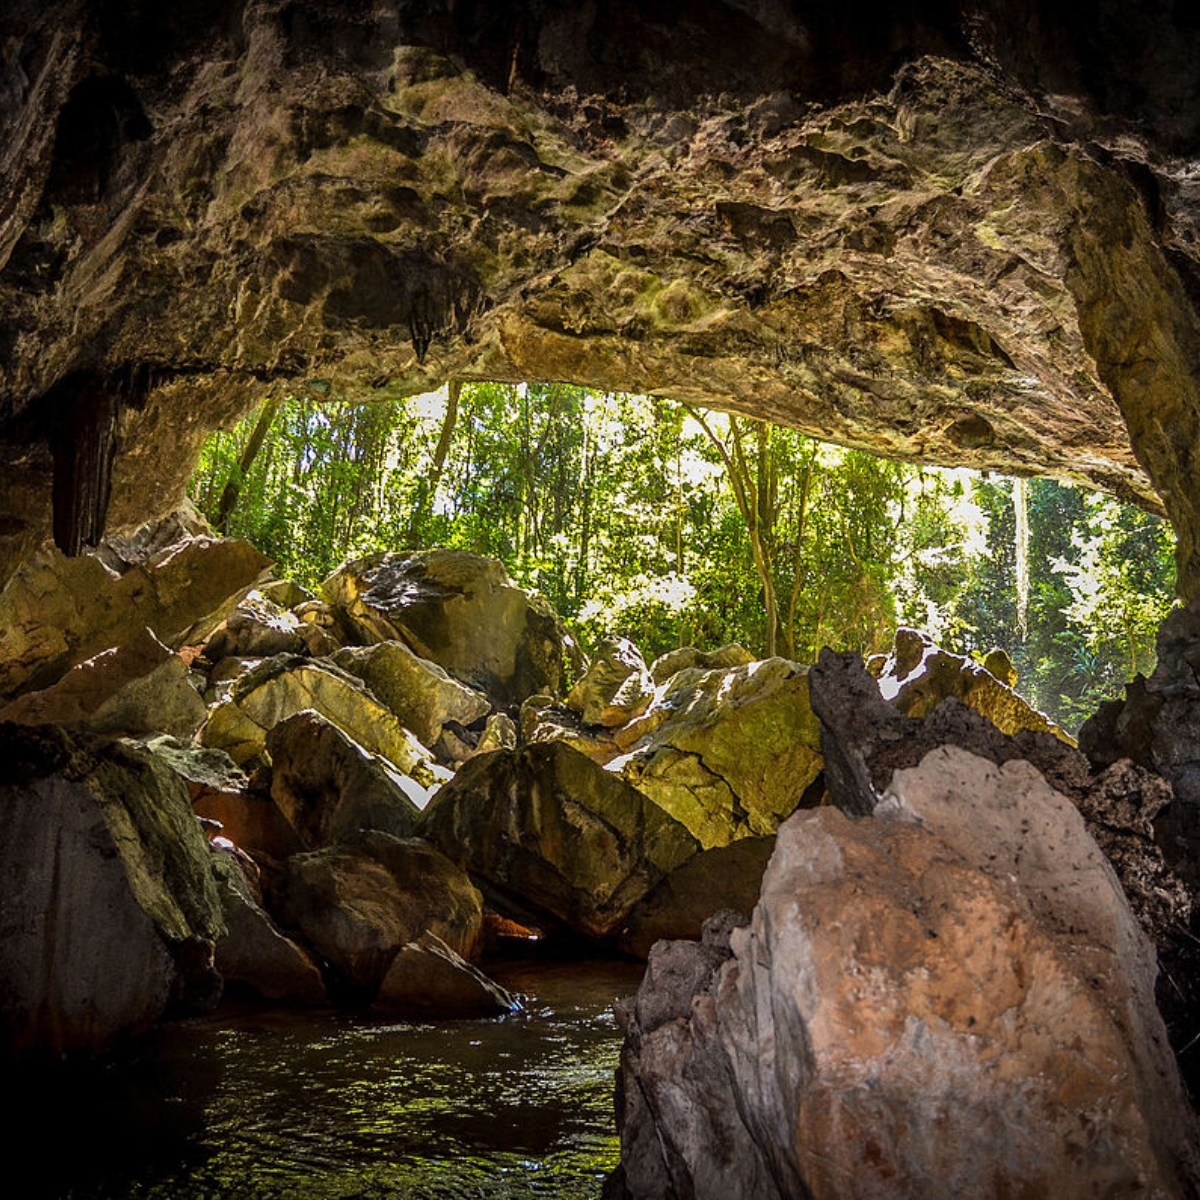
(955, 233)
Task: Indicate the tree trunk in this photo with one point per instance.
(233, 486)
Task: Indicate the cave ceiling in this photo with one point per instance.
(953, 233)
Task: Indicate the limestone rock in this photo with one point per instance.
(726, 878)
(689, 658)
(256, 628)
(499, 733)
(548, 828)
(727, 753)
(427, 979)
(328, 786)
(544, 719)
(419, 692)
(918, 676)
(139, 687)
(460, 611)
(58, 611)
(253, 951)
(616, 686)
(108, 911)
(283, 686)
(357, 903)
(850, 1044)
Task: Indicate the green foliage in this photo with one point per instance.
(677, 526)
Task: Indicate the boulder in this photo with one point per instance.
(544, 719)
(688, 658)
(60, 611)
(108, 909)
(918, 676)
(357, 903)
(728, 753)
(256, 628)
(546, 829)
(252, 951)
(945, 991)
(140, 687)
(427, 979)
(328, 786)
(280, 687)
(423, 697)
(725, 878)
(460, 611)
(615, 688)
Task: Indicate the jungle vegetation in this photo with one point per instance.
(679, 526)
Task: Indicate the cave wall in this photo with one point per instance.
(961, 233)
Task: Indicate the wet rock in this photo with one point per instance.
(328, 786)
(918, 676)
(253, 951)
(423, 697)
(727, 753)
(108, 910)
(460, 611)
(849, 1045)
(427, 979)
(615, 688)
(140, 687)
(688, 658)
(357, 903)
(62, 611)
(546, 828)
(725, 878)
(281, 687)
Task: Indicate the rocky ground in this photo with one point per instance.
(942, 925)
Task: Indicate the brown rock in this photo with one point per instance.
(59, 612)
(918, 676)
(423, 697)
(459, 611)
(544, 719)
(727, 753)
(136, 688)
(850, 1045)
(427, 979)
(551, 830)
(328, 786)
(253, 951)
(356, 904)
(108, 911)
(689, 658)
(726, 878)
(615, 688)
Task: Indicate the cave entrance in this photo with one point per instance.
(675, 525)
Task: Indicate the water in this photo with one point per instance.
(264, 1104)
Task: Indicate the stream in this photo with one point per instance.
(258, 1103)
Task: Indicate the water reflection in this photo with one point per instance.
(264, 1104)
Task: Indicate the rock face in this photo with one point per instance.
(616, 686)
(427, 979)
(328, 786)
(460, 611)
(943, 233)
(423, 697)
(688, 657)
(548, 830)
(727, 753)
(917, 676)
(281, 687)
(850, 1043)
(60, 611)
(727, 878)
(108, 911)
(137, 688)
(359, 902)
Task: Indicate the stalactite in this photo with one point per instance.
(81, 427)
(1021, 539)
